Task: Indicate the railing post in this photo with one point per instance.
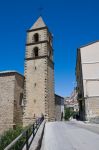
(36, 123)
(27, 137)
(33, 130)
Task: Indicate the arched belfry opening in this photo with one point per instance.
(36, 37)
(36, 52)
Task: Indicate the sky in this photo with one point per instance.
(73, 23)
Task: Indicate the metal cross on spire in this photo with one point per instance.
(41, 10)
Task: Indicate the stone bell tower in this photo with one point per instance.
(39, 74)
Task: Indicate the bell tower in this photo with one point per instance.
(39, 74)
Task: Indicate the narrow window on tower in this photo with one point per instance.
(21, 98)
(34, 101)
(36, 37)
(35, 68)
(34, 84)
(36, 52)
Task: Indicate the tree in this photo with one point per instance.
(68, 113)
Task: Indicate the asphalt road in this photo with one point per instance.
(69, 136)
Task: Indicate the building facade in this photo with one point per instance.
(87, 75)
(39, 74)
(72, 102)
(11, 95)
(59, 107)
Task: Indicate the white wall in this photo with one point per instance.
(90, 53)
(90, 69)
(92, 88)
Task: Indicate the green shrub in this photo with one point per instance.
(68, 113)
(9, 136)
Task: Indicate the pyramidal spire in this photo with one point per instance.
(38, 24)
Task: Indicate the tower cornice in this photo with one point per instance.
(40, 57)
(38, 29)
(40, 42)
(42, 28)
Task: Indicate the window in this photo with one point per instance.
(36, 52)
(34, 101)
(49, 53)
(34, 84)
(35, 68)
(36, 37)
(21, 98)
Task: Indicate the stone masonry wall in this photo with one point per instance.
(7, 85)
(50, 90)
(34, 90)
(57, 108)
(11, 86)
(18, 94)
(92, 108)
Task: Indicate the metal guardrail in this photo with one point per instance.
(26, 137)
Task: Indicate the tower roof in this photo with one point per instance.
(38, 24)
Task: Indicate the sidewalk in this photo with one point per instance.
(84, 122)
(87, 125)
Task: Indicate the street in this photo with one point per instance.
(69, 136)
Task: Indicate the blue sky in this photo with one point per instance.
(72, 22)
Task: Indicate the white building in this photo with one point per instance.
(87, 75)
